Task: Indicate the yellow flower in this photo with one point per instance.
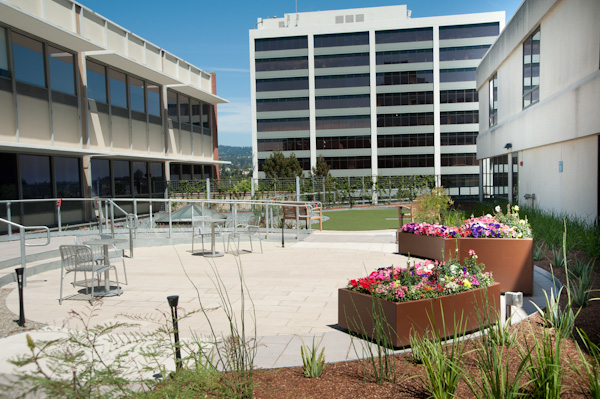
(516, 208)
(467, 283)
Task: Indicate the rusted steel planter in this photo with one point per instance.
(429, 247)
(510, 260)
(355, 313)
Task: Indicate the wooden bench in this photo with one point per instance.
(302, 212)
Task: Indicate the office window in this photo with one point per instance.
(67, 176)
(458, 138)
(35, 176)
(342, 39)
(281, 64)
(404, 78)
(284, 124)
(140, 177)
(335, 81)
(278, 84)
(341, 60)
(157, 179)
(153, 93)
(172, 106)
(101, 186)
(458, 75)
(412, 119)
(459, 96)
(96, 82)
(122, 177)
(405, 161)
(286, 144)
(354, 101)
(28, 58)
(281, 43)
(409, 98)
(494, 100)
(174, 171)
(186, 172)
(404, 35)
(343, 142)
(196, 116)
(343, 122)
(463, 53)
(459, 159)
(62, 71)
(4, 70)
(531, 69)
(405, 140)
(184, 112)
(206, 119)
(9, 181)
(118, 89)
(136, 95)
(281, 104)
(465, 31)
(459, 117)
(349, 162)
(404, 56)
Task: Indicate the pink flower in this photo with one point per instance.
(471, 252)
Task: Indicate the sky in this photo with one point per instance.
(213, 35)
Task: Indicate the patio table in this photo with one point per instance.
(106, 242)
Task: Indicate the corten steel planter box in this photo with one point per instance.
(355, 313)
(429, 247)
(509, 259)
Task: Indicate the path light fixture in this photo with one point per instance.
(20, 272)
(512, 299)
(173, 301)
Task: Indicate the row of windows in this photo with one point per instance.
(279, 84)
(352, 101)
(282, 124)
(459, 96)
(304, 164)
(409, 98)
(417, 119)
(493, 106)
(459, 117)
(470, 180)
(335, 81)
(287, 144)
(463, 53)
(459, 160)
(466, 31)
(458, 75)
(404, 35)
(344, 122)
(404, 56)
(531, 69)
(193, 114)
(406, 161)
(281, 43)
(341, 60)
(405, 140)
(179, 171)
(281, 64)
(404, 78)
(342, 39)
(349, 162)
(282, 104)
(343, 143)
(458, 138)
(125, 178)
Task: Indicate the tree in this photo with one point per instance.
(278, 166)
(321, 169)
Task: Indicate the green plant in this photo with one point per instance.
(313, 362)
(591, 366)
(433, 204)
(416, 350)
(500, 334)
(580, 291)
(557, 258)
(538, 251)
(582, 269)
(546, 376)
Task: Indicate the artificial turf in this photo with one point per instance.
(361, 219)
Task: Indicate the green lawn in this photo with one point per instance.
(367, 219)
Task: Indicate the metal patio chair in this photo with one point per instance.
(249, 230)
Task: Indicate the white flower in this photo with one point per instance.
(516, 208)
(497, 208)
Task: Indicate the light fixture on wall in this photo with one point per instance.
(508, 146)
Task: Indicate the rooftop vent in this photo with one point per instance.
(360, 17)
(339, 19)
(349, 18)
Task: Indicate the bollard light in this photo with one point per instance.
(20, 272)
(282, 226)
(173, 301)
(512, 299)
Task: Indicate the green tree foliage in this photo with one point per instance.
(321, 169)
(278, 166)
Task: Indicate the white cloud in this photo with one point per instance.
(234, 122)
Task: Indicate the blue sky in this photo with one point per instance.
(213, 35)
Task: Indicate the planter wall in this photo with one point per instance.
(355, 313)
(509, 259)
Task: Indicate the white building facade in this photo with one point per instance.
(89, 109)
(539, 96)
(372, 90)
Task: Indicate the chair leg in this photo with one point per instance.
(251, 246)
(61, 288)
(260, 242)
(124, 271)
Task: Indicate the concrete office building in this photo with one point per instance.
(539, 96)
(88, 108)
(374, 91)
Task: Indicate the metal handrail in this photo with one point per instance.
(131, 222)
(22, 230)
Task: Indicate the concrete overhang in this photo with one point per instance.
(28, 22)
(127, 64)
(197, 93)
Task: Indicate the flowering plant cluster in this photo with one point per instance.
(501, 225)
(426, 279)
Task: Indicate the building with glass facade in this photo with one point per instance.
(372, 90)
(539, 126)
(89, 109)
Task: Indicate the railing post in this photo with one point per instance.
(207, 188)
(23, 261)
(112, 219)
(8, 217)
(150, 213)
(170, 220)
(251, 188)
(297, 188)
(106, 214)
(135, 207)
(58, 204)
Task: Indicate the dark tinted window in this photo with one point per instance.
(281, 43)
(282, 104)
(28, 58)
(348, 162)
(404, 78)
(404, 56)
(531, 69)
(459, 160)
(62, 71)
(68, 181)
(153, 93)
(471, 180)
(288, 144)
(459, 117)
(463, 31)
(463, 53)
(136, 95)
(96, 82)
(409, 98)
(140, 177)
(279, 84)
(458, 96)
(281, 64)
(196, 116)
(118, 89)
(342, 39)
(35, 176)
(413, 119)
(101, 178)
(343, 122)
(406, 161)
(458, 75)
(172, 105)
(355, 101)
(157, 177)
(334, 81)
(405, 140)
(285, 124)
(184, 109)
(4, 69)
(343, 143)
(404, 35)
(122, 177)
(459, 138)
(341, 60)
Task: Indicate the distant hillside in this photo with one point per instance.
(240, 157)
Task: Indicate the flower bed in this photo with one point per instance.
(503, 243)
(409, 299)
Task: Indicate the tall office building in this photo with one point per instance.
(89, 108)
(372, 90)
